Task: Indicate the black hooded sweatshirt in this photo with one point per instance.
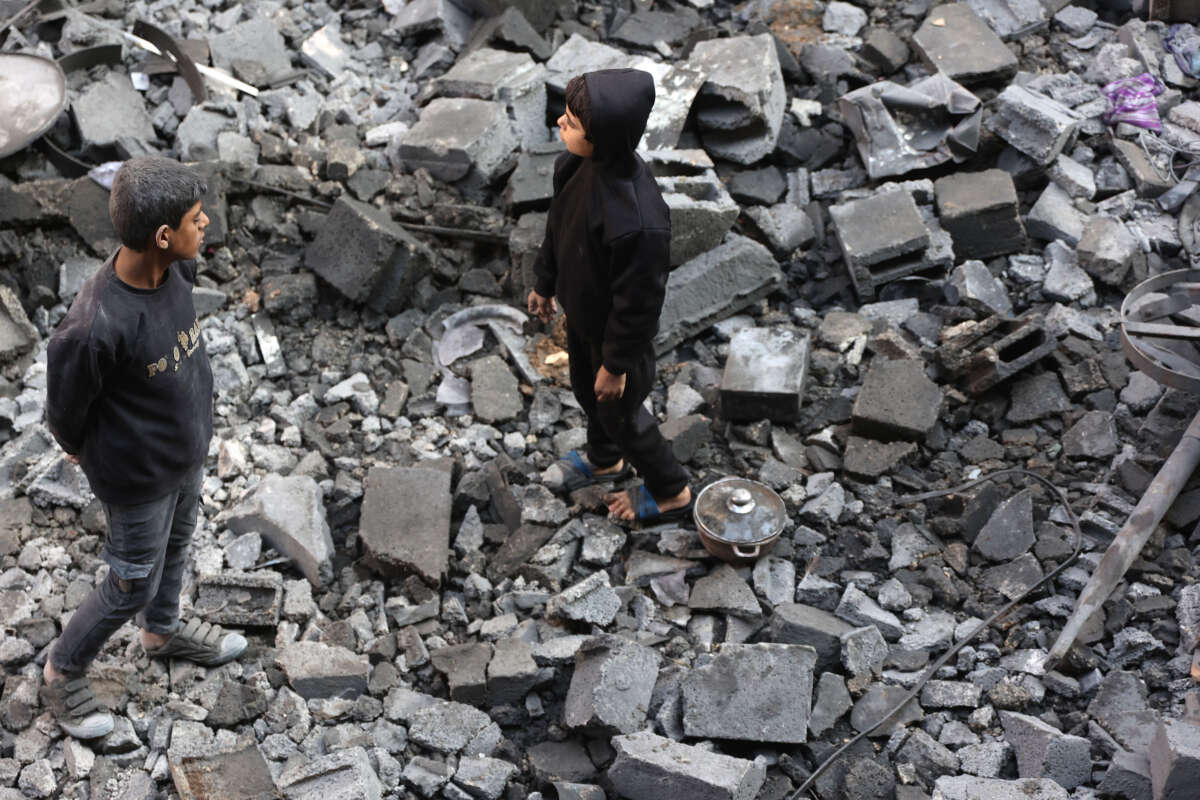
(608, 235)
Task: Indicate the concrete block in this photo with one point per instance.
(611, 686)
(714, 286)
(740, 108)
(513, 79)
(793, 623)
(512, 673)
(531, 185)
(253, 50)
(878, 700)
(495, 393)
(973, 285)
(1033, 123)
(1046, 752)
(457, 134)
(465, 667)
(882, 238)
(1175, 760)
(954, 40)
(968, 787)
(591, 600)
(702, 212)
(1145, 178)
(245, 599)
(1008, 18)
(449, 727)
(988, 352)
(111, 109)
(857, 608)
(400, 536)
(1009, 531)
(724, 591)
(440, 16)
(17, 334)
(646, 763)
(736, 695)
(340, 775)
(289, 513)
(484, 778)
(325, 50)
(368, 257)
(786, 227)
(1054, 216)
(1128, 777)
(512, 30)
(314, 669)
(764, 375)
(897, 401)
(1107, 251)
(979, 210)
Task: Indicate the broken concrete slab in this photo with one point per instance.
(512, 673)
(969, 787)
(512, 30)
(514, 79)
(973, 284)
(764, 375)
(400, 536)
(224, 773)
(740, 107)
(713, 286)
(980, 212)
(611, 687)
(449, 727)
(289, 513)
(314, 669)
(465, 667)
(724, 591)
(456, 135)
(591, 600)
(344, 774)
(646, 762)
(897, 401)
(1107, 251)
(736, 695)
(495, 393)
(954, 40)
(1009, 531)
(795, 623)
(368, 257)
(17, 334)
(786, 227)
(442, 16)
(1054, 216)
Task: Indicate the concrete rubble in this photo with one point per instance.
(901, 235)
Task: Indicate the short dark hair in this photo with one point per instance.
(148, 192)
(580, 102)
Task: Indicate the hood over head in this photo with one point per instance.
(621, 100)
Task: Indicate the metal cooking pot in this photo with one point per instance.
(738, 519)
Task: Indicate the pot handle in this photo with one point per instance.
(740, 553)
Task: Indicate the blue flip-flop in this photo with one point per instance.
(645, 509)
(577, 473)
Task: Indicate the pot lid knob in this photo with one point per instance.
(741, 501)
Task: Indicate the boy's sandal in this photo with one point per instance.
(76, 709)
(202, 642)
(577, 473)
(645, 509)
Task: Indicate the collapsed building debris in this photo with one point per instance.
(428, 619)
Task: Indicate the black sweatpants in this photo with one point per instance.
(623, 428)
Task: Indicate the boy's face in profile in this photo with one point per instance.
(570, 130)
(184, 242)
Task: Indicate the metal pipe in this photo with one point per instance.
(1132, 537)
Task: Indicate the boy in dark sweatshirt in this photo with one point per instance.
(605, 257)
(129, 398)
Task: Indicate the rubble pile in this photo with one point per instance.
(901, 236)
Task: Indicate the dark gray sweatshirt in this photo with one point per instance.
(128, 385)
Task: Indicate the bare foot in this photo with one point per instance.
(621, 507)
(153, 641)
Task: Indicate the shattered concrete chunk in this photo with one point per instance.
(897, 401)
(740, 107)
(344, 774)
(456, 135)
(254, 46)
(610, 689)
(736, 695)
(400, 536)
(764, 375)
(314, 669)
(645, 763)
(1033, 123)
(979, 210)
(702, 212)
(954, 40)
(289, 513)
(111, 109)
(1046, 752)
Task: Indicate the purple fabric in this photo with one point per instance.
(1131, 100)
(1183, 42)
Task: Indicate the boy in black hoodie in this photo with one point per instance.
(129, 398)
(605, 257)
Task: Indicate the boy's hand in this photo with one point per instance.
(541, 307)
(609, 387)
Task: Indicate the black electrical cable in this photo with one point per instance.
(807, 786)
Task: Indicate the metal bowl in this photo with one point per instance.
(33, 92)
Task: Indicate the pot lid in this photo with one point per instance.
(33, 92)
(739, 511)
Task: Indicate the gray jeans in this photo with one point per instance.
(146, 550)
